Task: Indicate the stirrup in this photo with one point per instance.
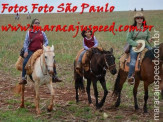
(133, 80)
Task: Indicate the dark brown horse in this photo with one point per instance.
(146, 74)
(100, 61)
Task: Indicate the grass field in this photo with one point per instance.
(66, 48)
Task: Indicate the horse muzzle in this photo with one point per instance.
(113, 71)
(51, 72)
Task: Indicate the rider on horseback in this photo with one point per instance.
(89, 41)
(137, 35)
(34, 41)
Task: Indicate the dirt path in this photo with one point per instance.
(63, 96)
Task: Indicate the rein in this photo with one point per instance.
(46, 66)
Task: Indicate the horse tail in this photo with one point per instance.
(162, 94)
(116, 85)
(79, 84)
(18, 89)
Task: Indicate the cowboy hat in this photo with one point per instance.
(140, 49)
(138, 14)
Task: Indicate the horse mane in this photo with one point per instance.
(150, 53)
(96, 50)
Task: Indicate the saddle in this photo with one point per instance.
(30, 64)
(86, 57)
(125, 61)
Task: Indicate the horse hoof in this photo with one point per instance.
(50, 108)
(136, 108)
(146, 114)
(100, 104)
(117, 105)
(91, 105)
(77, 101)
(38, 112)
(98, 107)
(21, 106)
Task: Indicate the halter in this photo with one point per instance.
(45, 65)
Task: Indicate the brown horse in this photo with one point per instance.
(146, 74)
(100, 61)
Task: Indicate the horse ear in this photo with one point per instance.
(44, 48)
(52, 48)
(111, 50)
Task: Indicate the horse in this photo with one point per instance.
(17, 17)
(100, 61)
(28, 16)
(146, 74)
(42, 74)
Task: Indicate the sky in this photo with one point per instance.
(120, 5)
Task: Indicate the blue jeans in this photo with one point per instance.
(133, 60)
(81, 56)
(25, 62)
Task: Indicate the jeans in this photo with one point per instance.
(81, 56)
(148, 47)
(25, 62)
(55, 73)
(133, 60)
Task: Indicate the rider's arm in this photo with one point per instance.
(148, 35)
(96, 42)
(26, 42)
(45, 39)
(130, 39)
(84, 45)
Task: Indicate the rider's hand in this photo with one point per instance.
(25, 54)
(150, 40)
(139, 45)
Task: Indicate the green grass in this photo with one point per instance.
(119, 117)
(20, 115)
(66, 48)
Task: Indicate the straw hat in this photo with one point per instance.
(140, 49)
(138, 14)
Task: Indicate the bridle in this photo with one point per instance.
(107, 65)
(104, 68)
(46, 66)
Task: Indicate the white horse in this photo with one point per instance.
(43, 69)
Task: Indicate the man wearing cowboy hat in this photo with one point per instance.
(137, 46)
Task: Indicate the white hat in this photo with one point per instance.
(140, 49)
(138, 14)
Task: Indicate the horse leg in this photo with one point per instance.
(137, 81)
(122, 79)
(88, 91)
(37, 98)
(103, 83)
(50, 86)
(78, 85)
(95, 92)
(22, 97)
(145, 96)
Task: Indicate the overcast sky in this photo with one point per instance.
(120, 5)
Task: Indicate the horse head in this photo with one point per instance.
(110, 61)
(48, 53)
